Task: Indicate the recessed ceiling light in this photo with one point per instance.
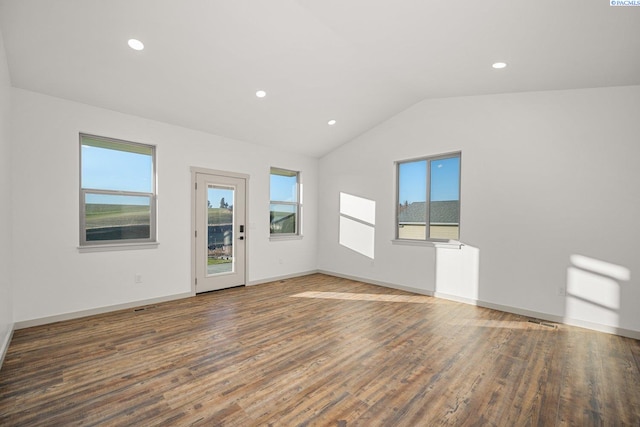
(499, 65)
(331, 122)
(135, 44)
(261, 94)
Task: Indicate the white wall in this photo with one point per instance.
(52, 278)
(545, 176)
(6, 306)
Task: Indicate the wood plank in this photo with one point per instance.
(317, 350)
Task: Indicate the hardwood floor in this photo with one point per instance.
(317, 350)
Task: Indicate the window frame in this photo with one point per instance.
(152, 239)
(297, 204)
(429, 160)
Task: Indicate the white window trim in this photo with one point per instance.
(282, 237)
(441, 243)
(113, 245)
(298, 234)
(451, 244)
(118, 247)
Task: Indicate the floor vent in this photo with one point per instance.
(145, 308)
(543, 323)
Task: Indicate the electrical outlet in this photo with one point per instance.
(561, 291)
(137, 278)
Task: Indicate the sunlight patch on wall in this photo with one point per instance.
(357, 207)
(604, 268)
(357, 224)
(593, 289)
(458, 271)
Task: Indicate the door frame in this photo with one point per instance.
(194, 171)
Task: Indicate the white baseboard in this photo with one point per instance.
(521, 311)
(4, 345)
(100, 310)
(378, 282)
(456, 298)
(629, 333)
(287, 276)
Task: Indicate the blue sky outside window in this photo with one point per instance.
(116, 170)
(284, 188)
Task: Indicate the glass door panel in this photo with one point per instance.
(220, 255)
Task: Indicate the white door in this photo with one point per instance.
(220, 231)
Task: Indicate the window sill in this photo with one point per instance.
(118, 247)
(452, 244)
(283, 238)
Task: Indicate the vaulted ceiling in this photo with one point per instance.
(358, 62)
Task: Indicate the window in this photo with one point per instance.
(429, 193)
(117, 191)
(285, 207)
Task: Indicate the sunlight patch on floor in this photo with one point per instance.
(419, 299)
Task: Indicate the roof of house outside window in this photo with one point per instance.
(442, 212)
